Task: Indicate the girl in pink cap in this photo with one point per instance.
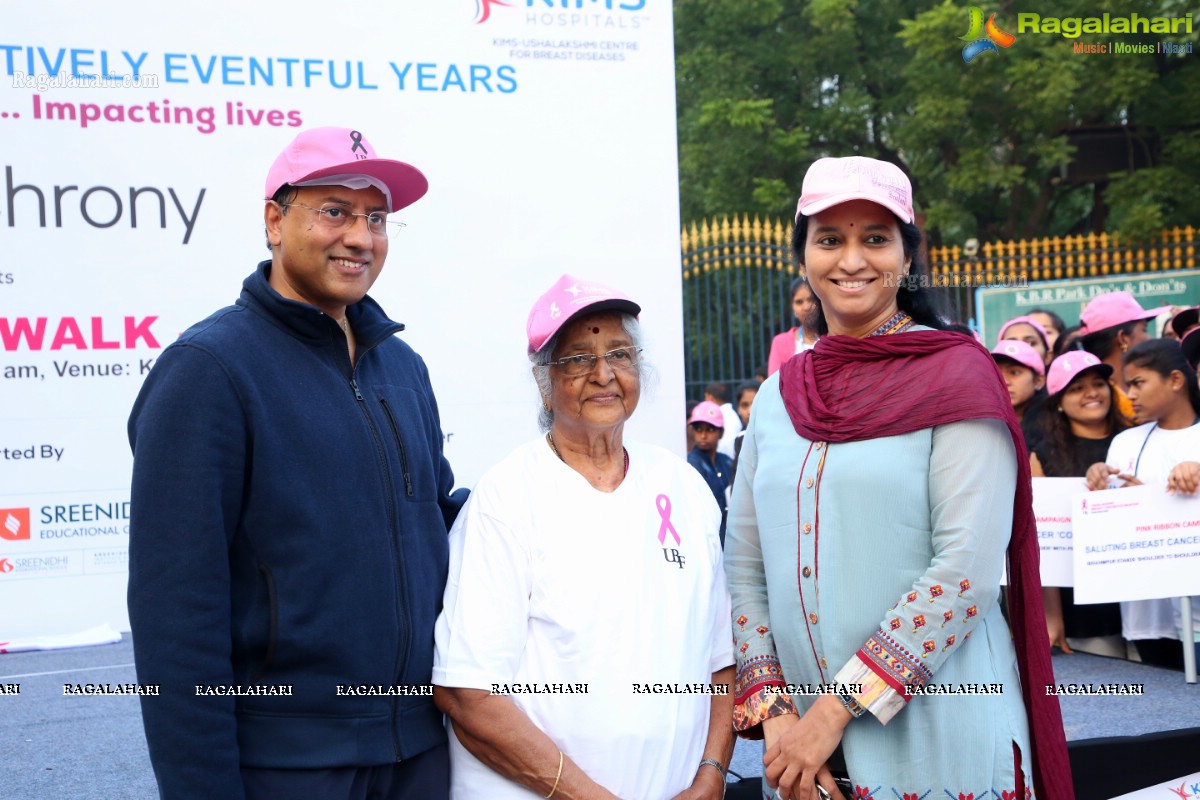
(1031, 332)
(1078, 424)
(1109, 325)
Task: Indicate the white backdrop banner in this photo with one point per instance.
(135, 148)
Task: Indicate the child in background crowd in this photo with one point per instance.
(1079, 422)
(1111, 324)
(1024, 374)
(1162, 453)
(1029, 331)
(801, 337)
(1051, 323)
(717, 393)
(707, 424)
(745, 397)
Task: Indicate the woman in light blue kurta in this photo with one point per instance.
(867, 534)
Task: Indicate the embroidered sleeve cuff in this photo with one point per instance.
(877, 696)
(750, 712)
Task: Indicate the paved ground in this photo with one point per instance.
(54, 747)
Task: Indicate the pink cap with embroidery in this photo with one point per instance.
(342, 157)
(1067, 367)
(1112, 309)
(565, 300)
(710, 412)
(832, 181)
(1020, 352)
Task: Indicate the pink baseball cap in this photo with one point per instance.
(567, 299)
(1068, 367)
(831, 181)
(1020, 352)
(1112, 309)
(1031, 322)
(342, 157)
(709, 412)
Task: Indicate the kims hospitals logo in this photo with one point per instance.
(981, 38)
(483, 9)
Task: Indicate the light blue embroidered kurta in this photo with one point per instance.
(851, 560)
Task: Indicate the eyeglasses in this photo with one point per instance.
(337, 218)
(584, 363)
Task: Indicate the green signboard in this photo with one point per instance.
(1067, 298)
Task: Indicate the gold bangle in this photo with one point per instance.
(557, 777)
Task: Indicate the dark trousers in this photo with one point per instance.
(422, 777)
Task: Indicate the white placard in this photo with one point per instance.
(1182, 788)
(1137, 543)
(1052, 499)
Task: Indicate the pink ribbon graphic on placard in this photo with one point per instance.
(664, 511)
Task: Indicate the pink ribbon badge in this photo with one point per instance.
(664, 511)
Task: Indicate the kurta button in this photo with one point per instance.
(820, 445)
(823, 664)
(806, 572)
(812, 617)
(808, 483)
(807, 527)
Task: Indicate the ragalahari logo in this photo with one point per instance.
(14, 524)
(483, 9)
(982, 37)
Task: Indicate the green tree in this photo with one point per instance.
(1005, 146)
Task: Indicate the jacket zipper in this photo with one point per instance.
(402, 644)
(400, 444)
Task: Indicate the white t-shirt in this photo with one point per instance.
(554, 584)
(1150, 453)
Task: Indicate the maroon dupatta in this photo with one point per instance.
(848, 389)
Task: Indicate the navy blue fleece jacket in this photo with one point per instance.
(288, 528)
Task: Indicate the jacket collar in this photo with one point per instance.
(371, 325)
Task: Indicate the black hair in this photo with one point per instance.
(1067, 340)
(961, 327)
(1070, 459)
(1164, 356)
(797, 282)
(748, 386)
(1101, 343)
(915, 297)
(1059, 325)
(719, 391)
(283, 196)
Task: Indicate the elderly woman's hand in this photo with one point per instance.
(708, 785)
(799, 747)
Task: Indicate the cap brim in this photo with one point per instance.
(1147, 314)
(817, 206)
(406, 183)
(1184, 320)
(611, 304)
(1105, 370)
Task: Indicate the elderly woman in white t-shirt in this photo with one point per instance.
(585, 649)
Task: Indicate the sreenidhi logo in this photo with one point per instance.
(981, 38)
(14, 524)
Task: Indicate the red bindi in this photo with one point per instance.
(595, 330)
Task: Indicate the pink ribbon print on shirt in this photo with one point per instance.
(664, 512)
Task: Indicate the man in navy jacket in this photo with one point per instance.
(290, 507)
